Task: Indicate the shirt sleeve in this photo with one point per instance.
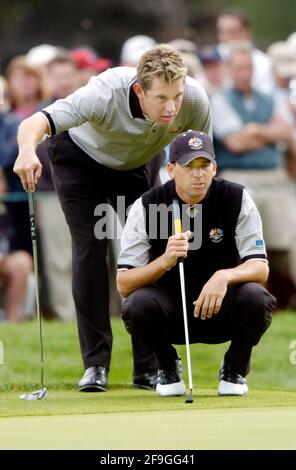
(88, 103)
(226, 120)
(248, 233)
(135, 245)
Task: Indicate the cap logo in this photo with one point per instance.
(195, 143)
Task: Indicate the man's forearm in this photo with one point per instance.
(27, 165)
(272, 132)
(250, 271)
(131, 279)
(241, 142)
(31, 132)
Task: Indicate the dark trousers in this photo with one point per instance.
(155, 317)
(82, 184)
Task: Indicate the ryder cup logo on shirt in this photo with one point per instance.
(216, 235)
(195, 143)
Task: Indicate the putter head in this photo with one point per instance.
(37, 395)
(190, 398)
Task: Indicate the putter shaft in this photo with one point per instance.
(182, 282)
(36, 270)
(178, 230)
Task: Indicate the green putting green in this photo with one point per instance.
(126, 418)
(245, 428)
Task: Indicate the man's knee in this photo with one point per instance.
(137, 310)
(256, 304)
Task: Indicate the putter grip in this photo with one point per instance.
(32, 216)
(177, 217)
(177, 222)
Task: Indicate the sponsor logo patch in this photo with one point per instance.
(259, 243)
(195, 143)
(216, 235)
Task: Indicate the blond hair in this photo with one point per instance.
(162, 62)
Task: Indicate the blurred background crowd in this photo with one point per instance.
(252, 92)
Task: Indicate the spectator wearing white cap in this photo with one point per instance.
(283, 59)
(134, 48)
(39, 57)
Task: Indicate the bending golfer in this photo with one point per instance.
(117, 123)
(223, 277)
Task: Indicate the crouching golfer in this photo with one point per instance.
(223, 277)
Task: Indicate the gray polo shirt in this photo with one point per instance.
(100, 120)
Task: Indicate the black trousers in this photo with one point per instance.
(155, 317)
(82, 184)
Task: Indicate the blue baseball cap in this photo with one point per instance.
(209, 54)
(190, 145)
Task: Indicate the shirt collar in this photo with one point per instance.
(134, 103)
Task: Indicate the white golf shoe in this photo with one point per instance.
(170, 382)
(231, 383)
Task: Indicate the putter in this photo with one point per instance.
(178, 230)
(37, 394)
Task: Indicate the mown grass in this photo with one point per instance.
(271, 365)
(272, 381)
